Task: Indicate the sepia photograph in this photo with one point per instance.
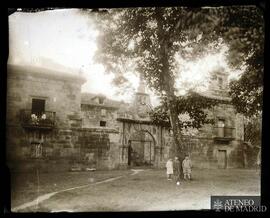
(135, 109)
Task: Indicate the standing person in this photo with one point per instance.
(177, 170)
(169, 166)
(186, 165)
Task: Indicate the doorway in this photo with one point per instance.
(140, 153)
(222, 159)
(38, 106)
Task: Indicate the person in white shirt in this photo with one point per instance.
(169, 167)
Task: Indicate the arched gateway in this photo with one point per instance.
(142, 143)
(141, 149)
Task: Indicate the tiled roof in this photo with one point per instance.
(215, 96)
(43, 72)
(88, 98)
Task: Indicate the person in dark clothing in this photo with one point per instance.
(177, 170)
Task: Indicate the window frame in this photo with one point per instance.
(104, 122)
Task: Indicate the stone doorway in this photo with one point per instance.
(141, 151)
(222, 159)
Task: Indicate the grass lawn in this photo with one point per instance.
(148, 190)
(26, 187)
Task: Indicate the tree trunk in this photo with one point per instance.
(167, 82)
(174, 120)
(173, 115)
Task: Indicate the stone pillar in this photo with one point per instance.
(157, 156)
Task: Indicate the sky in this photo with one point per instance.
(65, 40)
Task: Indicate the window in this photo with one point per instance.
(142, 100)
(220, 82)
(220, 129)
(102, 123)
(103, 112)
(100, 100)
(214, 77)
(36, 149)
(221, 123)
(38, 106)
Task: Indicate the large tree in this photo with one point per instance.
(244, 32)
(147, 40)
(248, 50)
(242, 28)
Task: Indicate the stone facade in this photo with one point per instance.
(219, 145)
(60, 97)
(216, 145)
(93, 131)
(99, 111)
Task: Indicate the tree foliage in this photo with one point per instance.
(243, 29)
(253, 131)
(148, 29)
(192, 104)
(146, 41)
(247, 93)
(240, 27)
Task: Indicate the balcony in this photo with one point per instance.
(44, 120)
(224, 133)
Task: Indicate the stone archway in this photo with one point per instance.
(141, 149)
(152, 137)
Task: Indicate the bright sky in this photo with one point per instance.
(65, 40)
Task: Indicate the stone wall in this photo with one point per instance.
(92, 115)
(99, 147)
(204, 152)
(87, 147)
(62, 94)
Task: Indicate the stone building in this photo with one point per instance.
(134, 140)
(219, 145)
(53, 126)
(99, 140)
(42, 108)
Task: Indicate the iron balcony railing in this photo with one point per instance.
(224, 132)
(44, 119)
